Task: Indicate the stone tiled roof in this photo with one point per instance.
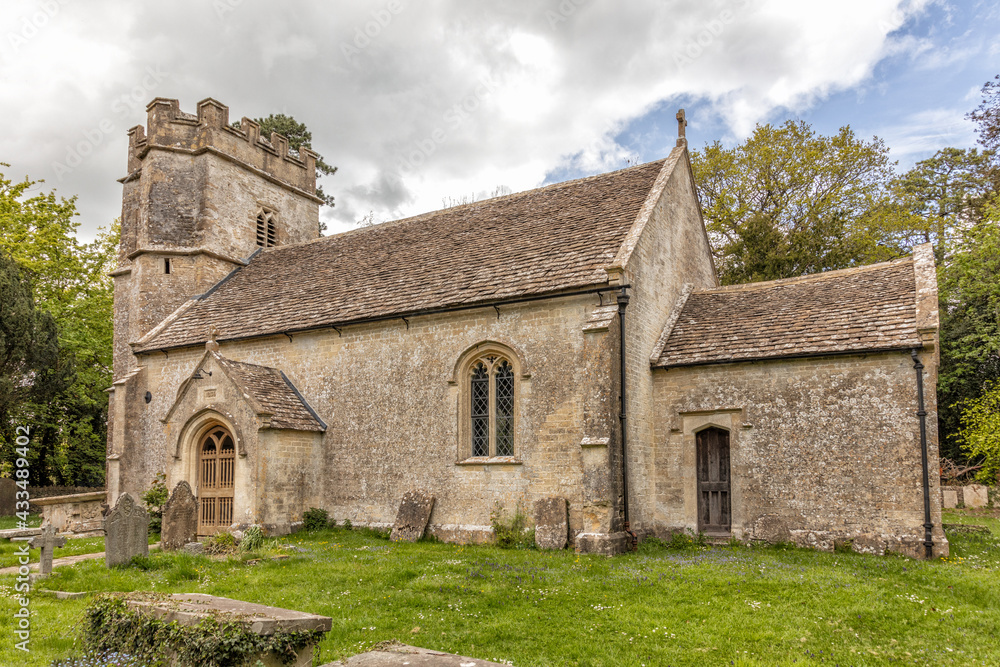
(554, 238)
(273, 393)
(861, 309)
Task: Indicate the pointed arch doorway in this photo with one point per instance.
(714, 510)
(216, 475)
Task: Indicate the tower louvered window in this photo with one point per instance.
(267, 235)
(491, 396)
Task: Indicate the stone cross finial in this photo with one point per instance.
(681, 124)
(213, 333)
(48, 541)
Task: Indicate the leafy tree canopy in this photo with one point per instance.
(788, 202)
(69, 280)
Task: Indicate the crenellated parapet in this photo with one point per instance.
(209, 131)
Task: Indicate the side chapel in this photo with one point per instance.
(568, 341)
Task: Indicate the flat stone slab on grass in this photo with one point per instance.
(397, 655)
(19, 533)
(551, 523)
(414, 514)
(193, 608)
(64, 595)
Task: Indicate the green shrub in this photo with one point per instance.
(315, 519)
(348, 525)
(253, 539)
(154, 499)
(511, 529)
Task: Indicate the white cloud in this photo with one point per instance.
(415, 102)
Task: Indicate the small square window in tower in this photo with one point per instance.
(266, 229)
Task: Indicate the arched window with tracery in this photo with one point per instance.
(491, 396)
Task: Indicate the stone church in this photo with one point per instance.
(570, 341)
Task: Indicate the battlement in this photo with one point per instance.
(209, 131)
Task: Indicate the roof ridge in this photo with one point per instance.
(430, 214)
(812, 277)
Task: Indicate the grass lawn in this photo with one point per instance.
(662, 606)
(7, 522)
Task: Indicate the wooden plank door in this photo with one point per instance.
(713, 481)
(216, 472)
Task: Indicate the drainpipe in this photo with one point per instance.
(623, 299)
(928, 526)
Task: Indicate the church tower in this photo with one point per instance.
(200, 198)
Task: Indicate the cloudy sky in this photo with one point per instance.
(419, 101)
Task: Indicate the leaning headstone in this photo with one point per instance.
(414, 513)
(48, 541)
(8, 496)
(551, 523)
(180, 519)
(126, 530)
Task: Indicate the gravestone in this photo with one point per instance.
(8, 491)
(976, 495)
(551, 523)
(414, 513)
(180, 519)
(48, 541)
(126, 530)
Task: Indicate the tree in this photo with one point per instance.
(947, 192)
(32, 370)
(69, 280)
(788, 202)
(299, 137)
(981, 432)
(970, 328)
(987, 116)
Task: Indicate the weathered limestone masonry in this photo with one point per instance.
(666, 253)
(193, 189)
(336, 389)
(391, 402)
(822, 448)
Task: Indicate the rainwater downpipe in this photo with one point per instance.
(928, 526)
(623, 299)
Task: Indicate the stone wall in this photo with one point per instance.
(390, 395)
(672, 251)
(822, 449)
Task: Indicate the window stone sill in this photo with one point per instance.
(489, 461)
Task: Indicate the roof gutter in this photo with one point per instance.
(623, 299)
(337, 326)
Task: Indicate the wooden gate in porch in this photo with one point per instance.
(216, 472)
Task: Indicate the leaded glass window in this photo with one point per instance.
(504, 381)
(480, 410)
(492, 406)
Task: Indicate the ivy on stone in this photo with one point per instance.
(111, 626)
